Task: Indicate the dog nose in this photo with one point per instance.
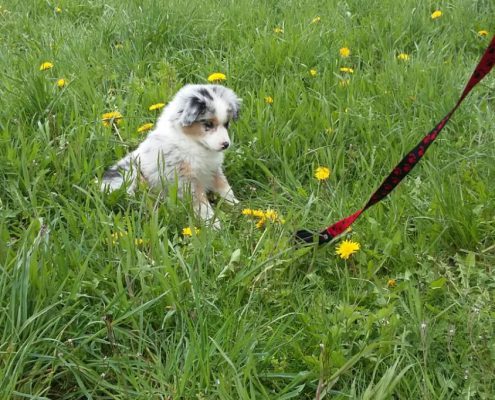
(225, 145)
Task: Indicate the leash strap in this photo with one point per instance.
(406, 165)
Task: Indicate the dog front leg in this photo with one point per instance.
(202, 206)
(222, 187)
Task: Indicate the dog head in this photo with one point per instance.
(204, 113)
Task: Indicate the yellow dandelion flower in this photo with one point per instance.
(344, 82)
(278, 29)
(329, 130)
(483, 33)
(391, 283)
(217, 77)
(436, 14)
(269, 100)
(403, 56)
(187, 231)
(254, 213)
(58, 10)
(108, 119)
(116, 236)
(145, 127)
(313, 72)
(347, 248)
(156, 106)
(61, 83)
(344, 52)
(347, 70)
(272, 215)
(261, 223)
(316, 20)
(263, 216)
(258, 213)
(46, 65)
(138, 241)
(322, 173)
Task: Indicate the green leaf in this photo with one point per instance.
(438, 283)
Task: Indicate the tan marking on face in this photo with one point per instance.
(195, 129)
(215, 121)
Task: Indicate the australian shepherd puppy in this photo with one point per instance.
(186, 146)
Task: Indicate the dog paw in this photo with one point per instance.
(216, 225)
(232, 201)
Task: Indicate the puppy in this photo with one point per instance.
(186, 146)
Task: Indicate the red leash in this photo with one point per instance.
(408, 162)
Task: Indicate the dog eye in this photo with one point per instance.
(208, 125)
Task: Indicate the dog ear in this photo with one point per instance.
(193, 109)
(235, 106)
(233, 102)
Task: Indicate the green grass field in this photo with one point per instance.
(103, 297)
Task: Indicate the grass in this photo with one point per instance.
(241, 313)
